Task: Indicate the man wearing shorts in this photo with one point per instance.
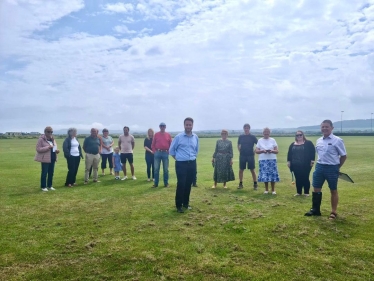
(331, 156)
(126, 144)
(246, 143)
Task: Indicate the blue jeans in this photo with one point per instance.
(149, 159)
(47, 169)
(164, 157)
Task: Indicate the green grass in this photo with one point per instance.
(125, 230)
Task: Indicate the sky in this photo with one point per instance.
(269, 63)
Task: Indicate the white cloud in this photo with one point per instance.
(224, 63)
(119, 8)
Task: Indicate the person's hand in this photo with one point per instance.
(57, 151)
(231, 162)
(311, 163)
(213, 160)
(288, 164)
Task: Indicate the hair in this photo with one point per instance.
(304, 138)
(127, 128)
(116, 148)
(48, 128)
(71, 131)
(188, 119)
(224, 132)
(246, 124)
(105, 130)
(266, 128)
(150, 130)
(328, 122)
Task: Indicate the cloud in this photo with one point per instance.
(119, 8)
(224, 63)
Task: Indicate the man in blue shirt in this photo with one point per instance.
(331, 156)
(184, 149)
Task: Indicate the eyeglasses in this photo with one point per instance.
(50, 132)
(299, 135)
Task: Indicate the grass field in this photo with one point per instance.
(125, 230)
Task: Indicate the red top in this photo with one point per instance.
(161, 141)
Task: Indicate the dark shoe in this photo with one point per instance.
(316, 205)
(188, 207)
(333, 216)
(312, 212)
(240, 186)
(154, 186)
(255, 186)
(194, 185)
(167, 185)
(180, 210)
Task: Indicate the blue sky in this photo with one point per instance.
(224, 63)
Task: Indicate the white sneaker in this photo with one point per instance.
(274, 193)
(44, 189)
(51, 188)
(148, 179)
(297, 194)
(266, 192)
(124, 178)
(133, 177)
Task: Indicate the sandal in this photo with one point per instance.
(333, 216)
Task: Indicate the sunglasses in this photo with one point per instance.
(299, 135)
(50, 132)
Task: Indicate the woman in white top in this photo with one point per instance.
(267, 149)
(106, 151)
(73, 154)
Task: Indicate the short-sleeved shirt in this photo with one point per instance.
(126, 143)
(247, 143)
(266, 144)
(91, 145)
(330, 149)
(106, 141)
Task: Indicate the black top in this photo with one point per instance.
(301, 155)
(247, 143)
(148, 143)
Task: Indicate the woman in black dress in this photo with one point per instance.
(300, 160)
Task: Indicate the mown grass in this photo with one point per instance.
(124, 230)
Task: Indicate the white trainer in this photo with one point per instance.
(133, 177)
(124, 178)
(44, 189)
(274, 193)
(266, 192)
(51, 188)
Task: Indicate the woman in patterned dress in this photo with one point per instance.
(267, 148)
(222, 161)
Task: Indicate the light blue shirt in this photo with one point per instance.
(184, 147)
(330, 149)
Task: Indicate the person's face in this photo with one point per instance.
(246, 130)
(326, 129)
(105, 133)
(266, 134)
(150, 134)
(188, 125)
(162, 128)
(224, 136)
(93, 133)
(116, 150)
(48, 133)
(299, 136)
(126, 131)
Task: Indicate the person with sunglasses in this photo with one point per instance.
(46, 154)
(300, 160)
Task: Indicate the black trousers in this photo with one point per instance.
(73, 165)
(150, 159)
(302, 179)
(186, 172)
(104, 158)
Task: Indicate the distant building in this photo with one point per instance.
(35, 133)
(13, 134)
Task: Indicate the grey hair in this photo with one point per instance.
(266, 129)
(71, 130)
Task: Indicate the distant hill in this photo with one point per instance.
(346, 125)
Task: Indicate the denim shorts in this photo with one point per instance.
(330, 173)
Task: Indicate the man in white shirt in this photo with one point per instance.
(126, 144)
(331, 156)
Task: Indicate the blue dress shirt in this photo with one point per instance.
(184, 147)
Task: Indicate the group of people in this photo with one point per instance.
(184, 149)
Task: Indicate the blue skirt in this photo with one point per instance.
(268, 171)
